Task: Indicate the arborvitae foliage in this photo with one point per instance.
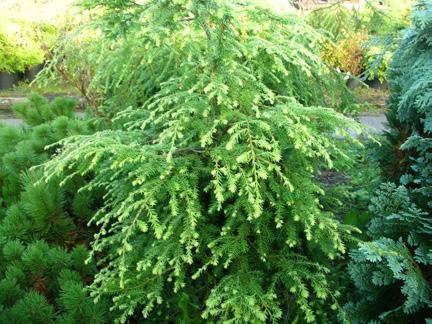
(211, 209)
(411, 98)
(42, 226)
(392, 273)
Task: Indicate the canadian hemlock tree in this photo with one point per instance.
(211, 208)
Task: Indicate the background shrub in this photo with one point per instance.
(361, 38)
(28, 30)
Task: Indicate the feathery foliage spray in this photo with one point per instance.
(211, 209)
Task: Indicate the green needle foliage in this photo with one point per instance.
(23, 148)
(211, 209)
(43, 284)
(392, 272)
(43, 229)
(142, 46)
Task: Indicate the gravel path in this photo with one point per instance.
(376, 124)
(12, 121)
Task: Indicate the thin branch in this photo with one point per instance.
(183, 150)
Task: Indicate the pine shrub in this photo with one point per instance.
(45, 284)
(392, 272)
(43, 233)
(211, 209)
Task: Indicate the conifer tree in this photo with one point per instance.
(392, 271)
(211, 210)
(133, 51)
(42, 227)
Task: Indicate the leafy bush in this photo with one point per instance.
(346, 36)
(338, 20)
(397, 262)
(359, 37)
(347, 53)
(17, 53)
(384, 18)
(43, 229)
(211, 208)
(376, 61)
(28, 29)
(384, 23)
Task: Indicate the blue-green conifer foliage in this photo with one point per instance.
(392, 272)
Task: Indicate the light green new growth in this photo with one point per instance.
(211, 208)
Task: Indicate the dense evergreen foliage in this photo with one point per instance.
(106, 66)
(43, 234)
(211, 208)
(392, 272)
(214, 185)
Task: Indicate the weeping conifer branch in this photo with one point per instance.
(209, 196)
